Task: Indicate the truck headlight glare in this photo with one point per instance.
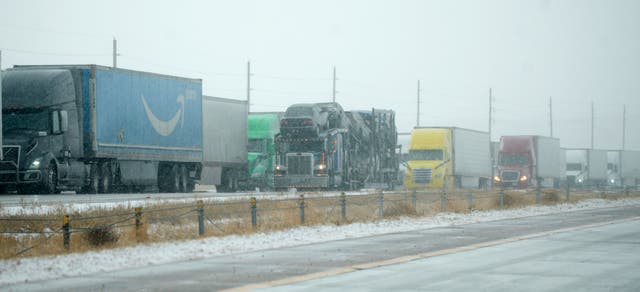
(497, 178)
(523, 178)
(35, 164)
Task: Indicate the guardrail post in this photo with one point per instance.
(470, 200)
(200, 217)
(343, 206)
(66, 232)
(538, 191)
(140, 231)
(501, 198)
(254, 212)
(301, 206)
(381, 204)
(443, 195)
(414, 200)
(567, 191)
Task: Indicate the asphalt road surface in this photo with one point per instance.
(584, 250)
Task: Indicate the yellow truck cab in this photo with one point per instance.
(448, 157)
(429, 158)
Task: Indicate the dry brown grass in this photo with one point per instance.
(116, 228)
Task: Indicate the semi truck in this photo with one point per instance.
(357, 149)
(446, 157)
(630, 168)
(613, 169)
(98, 129)
(263, 128)
(529, 160)
(586, 167)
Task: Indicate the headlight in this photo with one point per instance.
(321, 166)
(35, 164)
(523, 178)
(580, 180)
(613, 181)
(497, 178)
(281, 167)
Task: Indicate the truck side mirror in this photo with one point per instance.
(55, 122)
(64, 121)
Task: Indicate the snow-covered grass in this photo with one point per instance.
(49, 267)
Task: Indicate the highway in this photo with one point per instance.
(583, 250)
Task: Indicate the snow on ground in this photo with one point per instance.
(50, 267)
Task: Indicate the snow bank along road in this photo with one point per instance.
(236, 261)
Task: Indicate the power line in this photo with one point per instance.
(264, 76)
(49, 31)
(53, 53)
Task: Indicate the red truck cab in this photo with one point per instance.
(516, 159)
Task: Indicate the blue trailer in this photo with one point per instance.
(100, 129)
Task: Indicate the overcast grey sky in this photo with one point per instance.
(575, 51)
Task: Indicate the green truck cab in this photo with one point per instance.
(261, 148)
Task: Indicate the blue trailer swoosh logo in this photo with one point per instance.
(165, 128)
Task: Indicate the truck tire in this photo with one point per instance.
(50, 183)
(174, 179)
(94, 179)
(105, 179)
(184, 179)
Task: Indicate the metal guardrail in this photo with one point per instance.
(274, 213)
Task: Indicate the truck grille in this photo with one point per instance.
(299, 164)
(422, 175)
(9, 163)
(11, 156)
(509, 175)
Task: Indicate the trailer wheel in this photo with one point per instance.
(174, 176)
(105, 179)
(184, 179)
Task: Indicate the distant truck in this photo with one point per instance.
(99, 129)
(525, 161)
(320, 146)
(630, 168)
(263, 127)
(586, 167)
(448, 157)
(613, 169)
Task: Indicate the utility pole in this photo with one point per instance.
(592, 124)
(418, 115)
(248, 86)
(550, 117)
(624, 124)
(490, 111)
(334, 84)
(115, 53)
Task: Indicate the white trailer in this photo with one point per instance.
(630, 168)
(224, 126)
(549, 165)
(471, 157)
(587, 167)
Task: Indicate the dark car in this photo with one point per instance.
(303, 120)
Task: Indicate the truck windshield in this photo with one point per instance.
(25, 120)
(431, 154)
(254, 145)
(574, 167)
(514, 159)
